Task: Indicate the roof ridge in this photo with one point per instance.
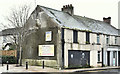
(87, 18)
(49, 8)
(96, 20)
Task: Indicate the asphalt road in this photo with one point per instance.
(111, 71)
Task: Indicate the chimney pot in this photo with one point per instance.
(107, 20)
(68, 8)
(109, 17)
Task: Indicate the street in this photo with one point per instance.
(111, 71)
(38, 69)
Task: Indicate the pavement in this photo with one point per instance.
(13, 68)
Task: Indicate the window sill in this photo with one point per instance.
(98, 44)
(99, 62)
(87, 43)
(75, 42)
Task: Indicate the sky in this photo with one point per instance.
(95, 9)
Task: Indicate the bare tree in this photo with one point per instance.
(17, 20)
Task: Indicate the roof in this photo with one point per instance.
(9, 31)
(97, 26)
(64, 19)
(79, 22)
(73, 22)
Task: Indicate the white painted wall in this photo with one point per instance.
(93, 38)
(69, 45)
(68, 35)
(81, 37)
(93, 58)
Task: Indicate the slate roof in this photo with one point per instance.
(9, 31)
(97, 26)
(79, 22)
(73, 22)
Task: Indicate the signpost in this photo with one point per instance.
(46, 50)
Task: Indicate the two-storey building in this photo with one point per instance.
(63, 39)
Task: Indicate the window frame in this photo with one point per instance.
(75, 36)
(98, 56)
(98, 38)
(107, 39)
(115, 39)
(87, 37)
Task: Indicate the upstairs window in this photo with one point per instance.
(75, 36)
(48, 36)
(98, 38)
(87, 37)
(115, 40)
(107, 39)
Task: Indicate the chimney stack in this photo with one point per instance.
(68, 9)
(107, 20)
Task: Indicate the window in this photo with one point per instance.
(87, 37)
(98, 56)
(48, 36)
(107, 39)
(98, 38)
(75, 36)
(114, 54)
(115, 40)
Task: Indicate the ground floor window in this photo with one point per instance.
(98, 56)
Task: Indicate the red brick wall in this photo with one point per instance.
(9, 52)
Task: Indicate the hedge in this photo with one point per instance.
(10, 59)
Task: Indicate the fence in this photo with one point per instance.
(9, 52)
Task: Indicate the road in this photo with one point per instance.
(111, 71)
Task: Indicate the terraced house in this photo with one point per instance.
(63, 39)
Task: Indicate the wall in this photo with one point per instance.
(38, 38)
(81, 37)
(93, 38)
(68, 36)
(9, 52)
(81, 45)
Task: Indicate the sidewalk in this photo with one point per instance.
(13, 68)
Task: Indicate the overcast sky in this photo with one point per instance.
(96, 9)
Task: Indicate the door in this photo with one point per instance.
(118, 58)
(78, 58)
(114, 58)
(108, 58)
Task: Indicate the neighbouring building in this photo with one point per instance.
(6, 38)
(64, 40)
